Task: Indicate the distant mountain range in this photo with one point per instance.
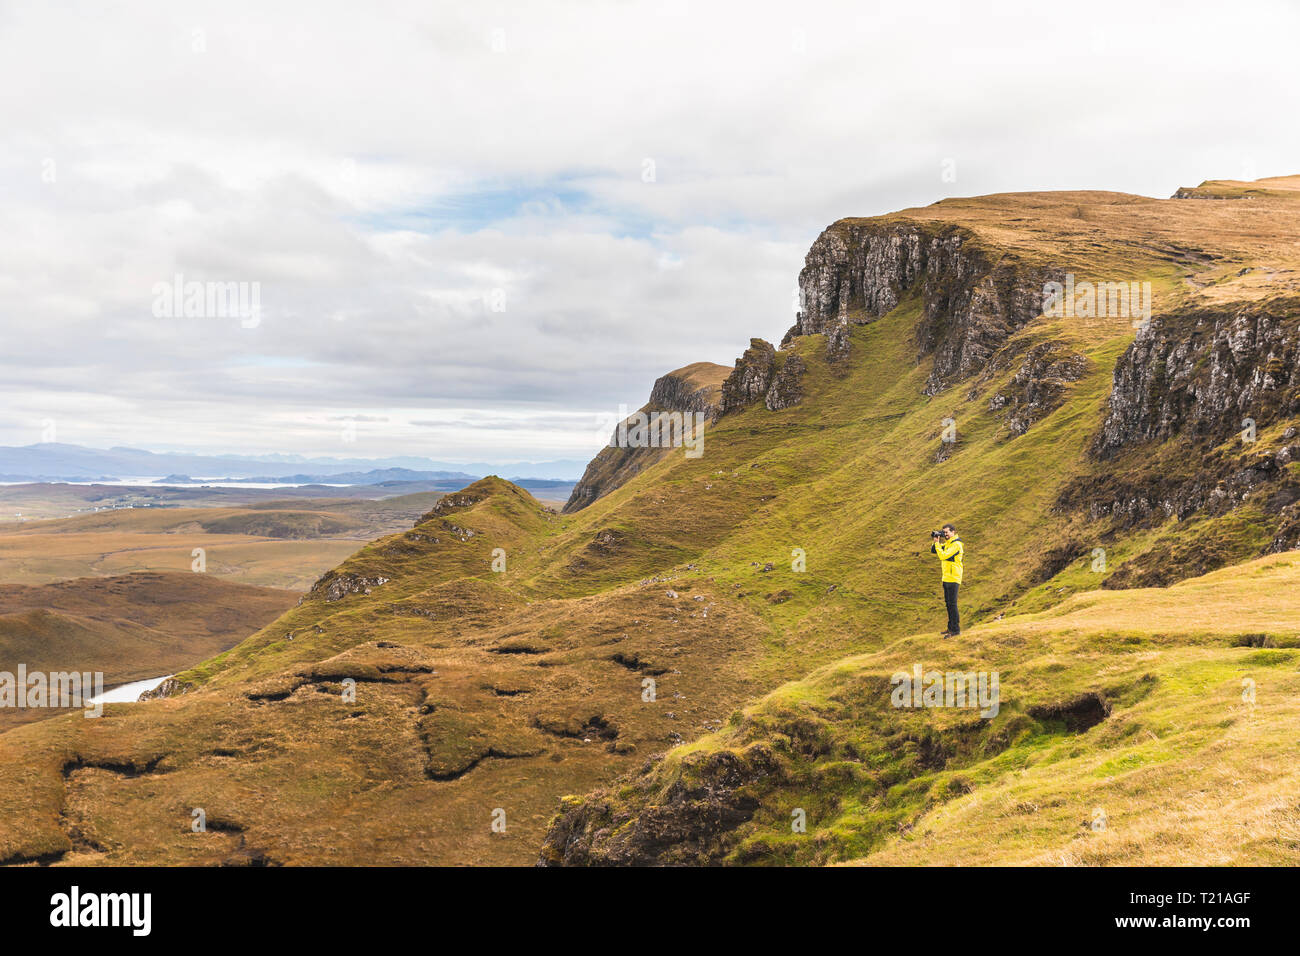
(53, 461)
(374, 476)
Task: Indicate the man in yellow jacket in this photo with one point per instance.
(949, 549)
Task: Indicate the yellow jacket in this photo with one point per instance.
(950, 554)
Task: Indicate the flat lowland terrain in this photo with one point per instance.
(282, 544)
(137, 592)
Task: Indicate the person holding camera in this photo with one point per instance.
(949, 548)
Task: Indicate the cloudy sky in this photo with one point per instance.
(475, 228)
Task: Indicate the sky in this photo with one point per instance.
(474, 230)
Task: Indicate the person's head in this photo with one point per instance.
(949, 531)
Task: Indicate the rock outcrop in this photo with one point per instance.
(838, 344)
(693, 390)
(786, 390)
(170, 687)
(751, 378)
(1202, 373)
(766, 375)
(336, 585)
(972, 300)
(1038, 386)
(1221, 385)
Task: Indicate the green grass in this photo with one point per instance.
(849, 759)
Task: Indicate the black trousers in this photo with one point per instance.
(950, 599)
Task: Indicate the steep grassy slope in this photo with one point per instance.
(1163, 488)
(501, 653)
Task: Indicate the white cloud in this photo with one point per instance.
(390, 180)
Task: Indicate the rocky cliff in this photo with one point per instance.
(972, 299)
(1174, 450)
(1200, 423)
(763, 374)
(696, 388)
(510, 657)
(1203, 373)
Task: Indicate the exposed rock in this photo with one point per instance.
(1193, 378)
(608, 541)
(1201, 373)
(171, 687)
(336, 585)
(751, 378)
(837, 344)
(692, 390)
(859, 270)
(1038, 387)
(1205, 483)
(456, 501)
(787, 384)
(764, 374)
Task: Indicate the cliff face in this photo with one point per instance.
(693, 389)
(1173, 450)
(690, 389)
(1202, 373)
(1199, 423)
(856, 271)
(973, 301)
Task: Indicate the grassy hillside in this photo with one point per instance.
(505, 656)
(1126, 734)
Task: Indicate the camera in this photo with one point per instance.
(937, 534)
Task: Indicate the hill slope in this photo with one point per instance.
(1152, 727)
(505, 656)
(130, 627)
